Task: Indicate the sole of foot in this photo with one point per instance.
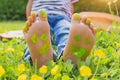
(37, 36)
(81, 39)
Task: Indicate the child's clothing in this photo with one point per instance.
(59, 20)
(61, 7)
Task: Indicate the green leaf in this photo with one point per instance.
(68, 65)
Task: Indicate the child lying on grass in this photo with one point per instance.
(74, 37)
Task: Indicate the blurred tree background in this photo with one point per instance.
(15, 9)
(12, 9)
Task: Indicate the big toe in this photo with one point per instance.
(76, 18)
(42, 15)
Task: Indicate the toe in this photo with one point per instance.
(42, 15)
(90, 25)
(88, 22)
(76, 18)
(27, 25)
(33, 14)
(92, 28)
(30, 19)
(25, 29)
(84, 19)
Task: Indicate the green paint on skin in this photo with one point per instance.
(44, 48)
(79, 52)
(74, 49)
(24, 28)
(76, 16)
(43, 13)
(77, 38)
(34, 38)
(88, 21)
(43, 37)
(87, 41)
(82, 52)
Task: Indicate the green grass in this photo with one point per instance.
(11, 25)
(104, 58)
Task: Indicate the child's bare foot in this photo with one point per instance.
(81, 39)
(37, 36)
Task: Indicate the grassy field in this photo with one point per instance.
(102, 64)
(11, 25)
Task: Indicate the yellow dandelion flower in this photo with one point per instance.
(21, 67)
(22, 77)
(118, 27)
(9, 49)
(54, 70)
(117, 44)
(58, 75)
(1, 51)
(2, 71)
(43, 69)
(20, 53)
(85, 71)
(99, 53)
(118, 52)
(65, 77)
(36, 77)
(93, 79)
(104, 74)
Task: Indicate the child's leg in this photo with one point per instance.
(61, 32)
(27, 54)
(81, 39)
(37, 36)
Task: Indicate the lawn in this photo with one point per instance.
(11, 25)
(102, 64)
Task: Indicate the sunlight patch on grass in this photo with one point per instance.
(6, 26)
